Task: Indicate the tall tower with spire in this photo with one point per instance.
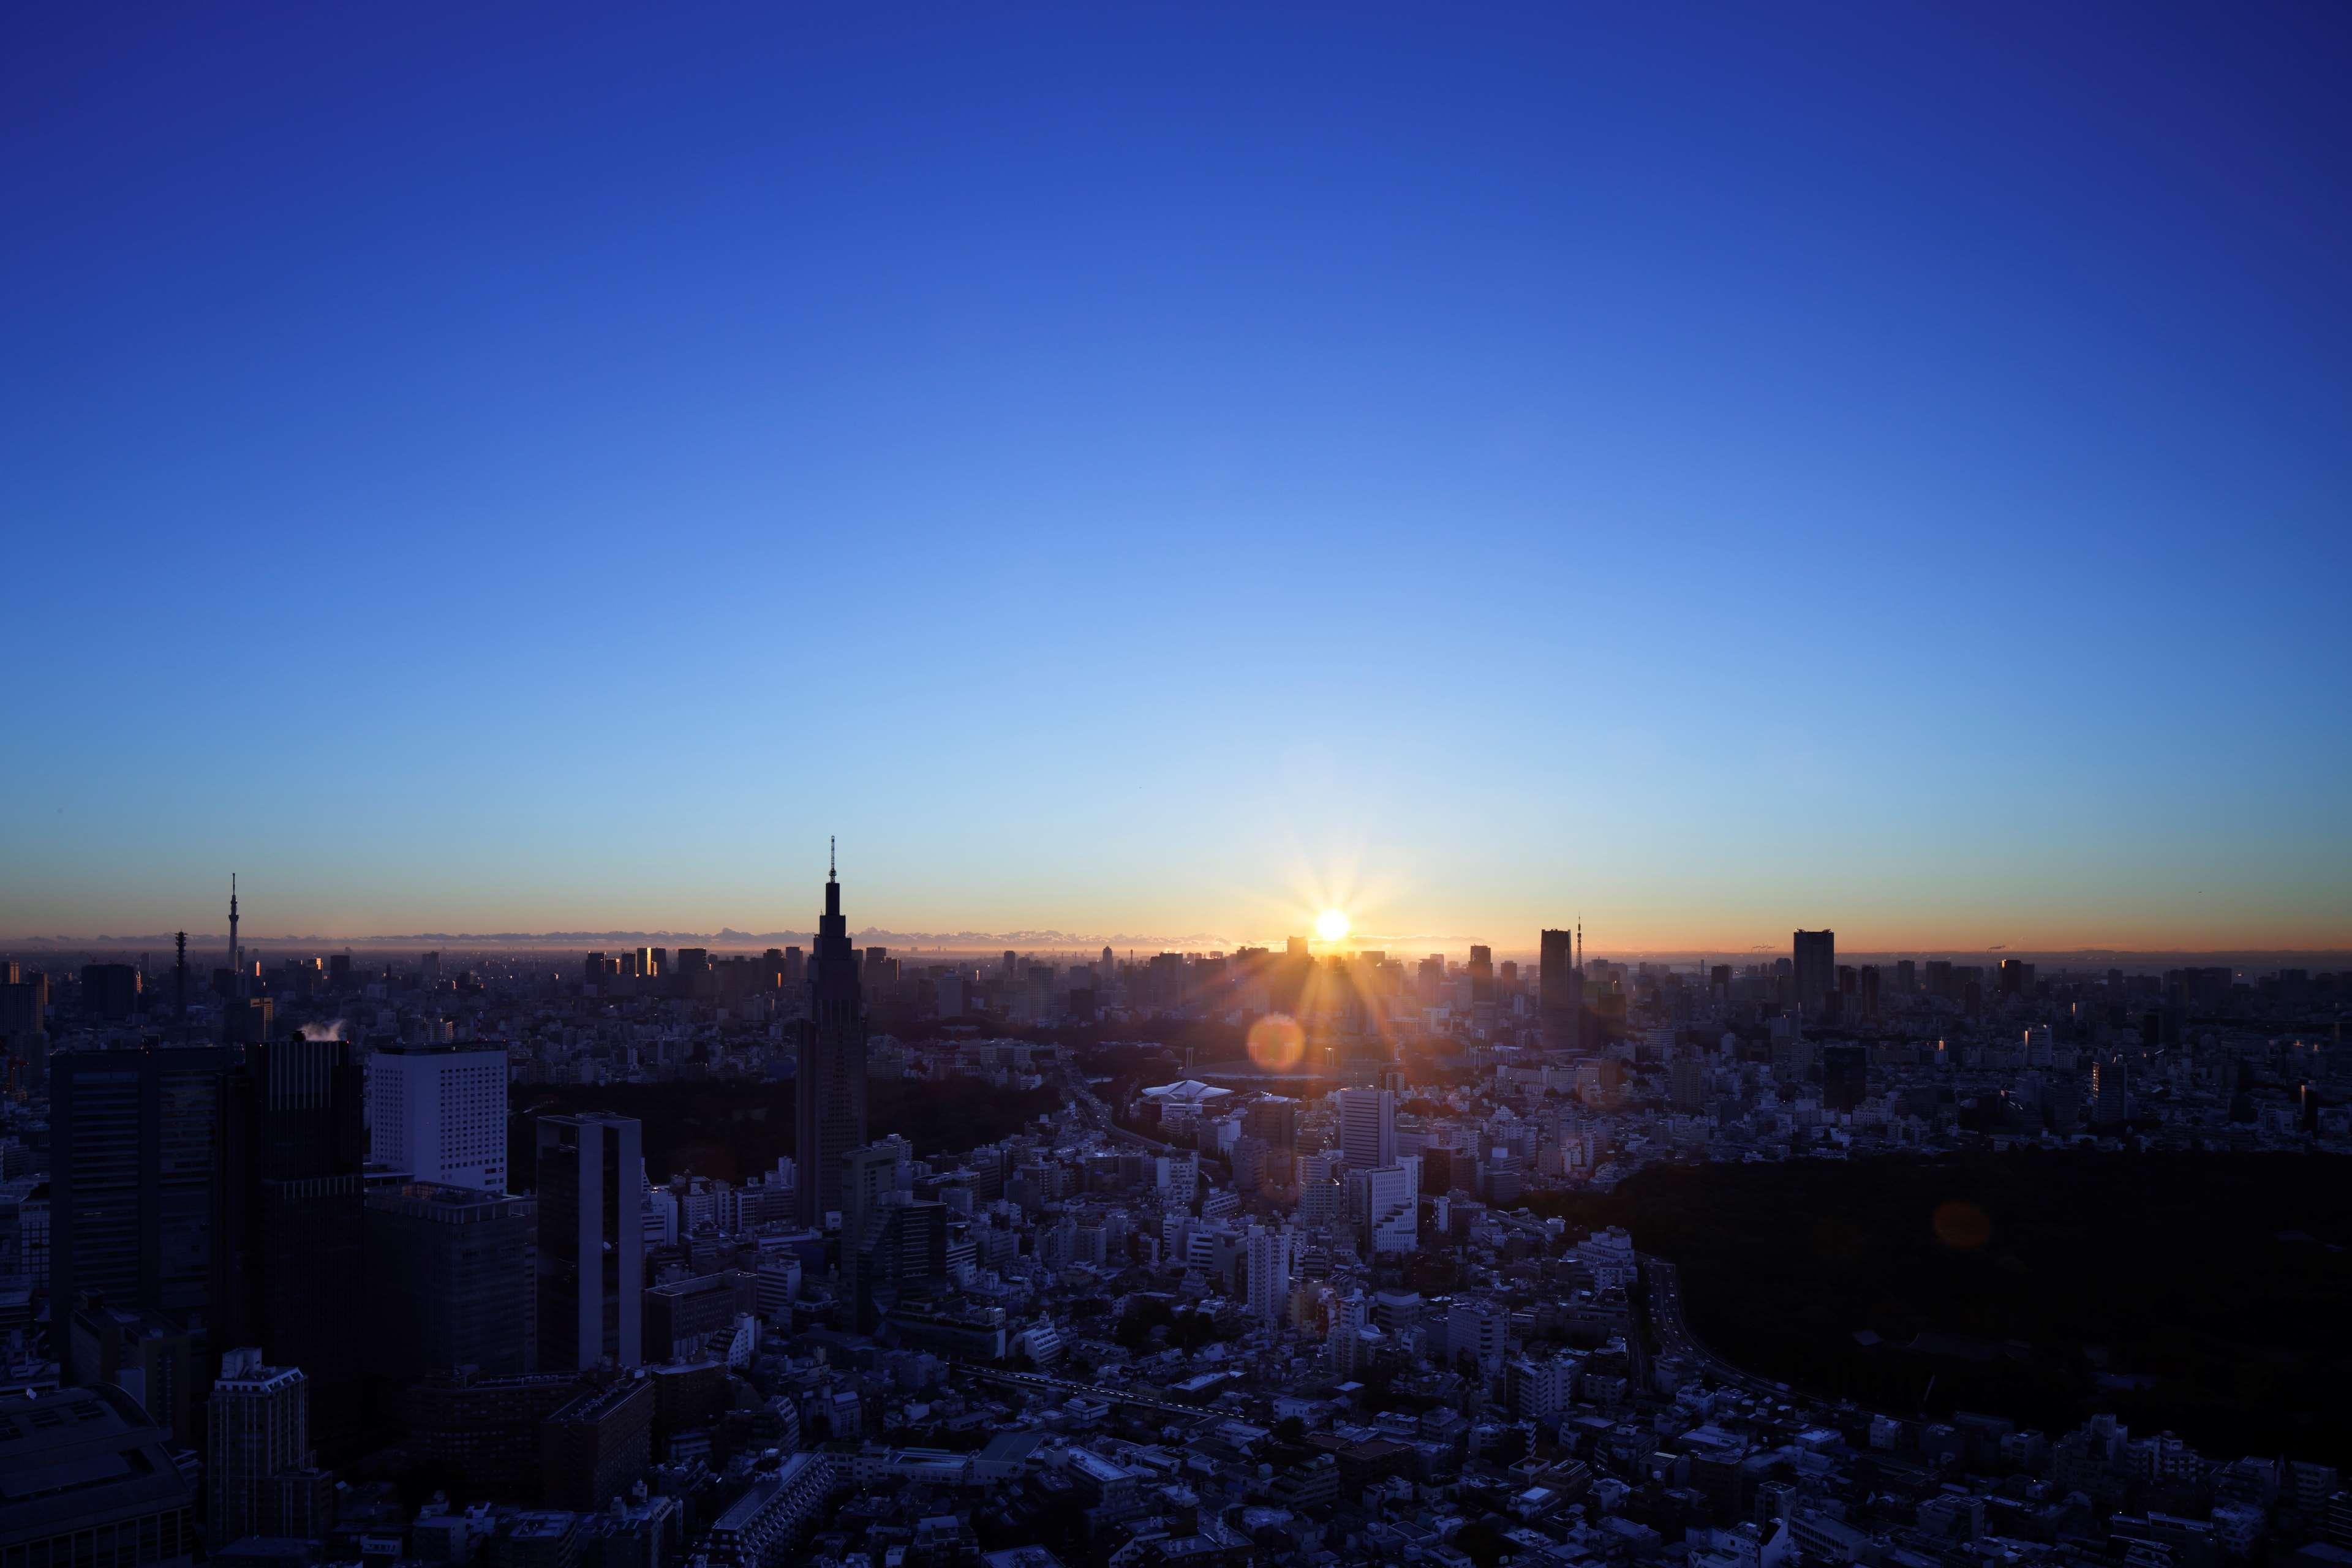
(236, 951)
(829, 1110)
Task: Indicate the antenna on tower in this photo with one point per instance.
(831, 864)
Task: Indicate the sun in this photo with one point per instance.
(1331, 926)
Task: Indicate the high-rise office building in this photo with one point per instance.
(1273, 1119)
(1392, 1198)
(595, 1447)
(870, 1177)
(288, 1278)
(110, 991)
(1269, 1257)
(829, 1108)
(2110, 1092)
(890, 1244)
(259, 1425)
(25, 1024)
(450, 1280)
(439, 1113)
(592, 1241)
(1815, 970)
(134, 1189)
(1367, 1128)
(249, 1020)
(1561, 992)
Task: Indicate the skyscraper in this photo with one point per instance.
(452, 1283)
(1845, 1075)
(592, 1241)
(439, 1113)
(890, 1245)
(259, 1425)
(2110, 1092)
(869, 1178)
(1561, 992)
(289, 1258)
(1270, 1256)
(134, 1147)
(829, 1108)
(1367, 1128)
(1815, 970)
(1391, 1206)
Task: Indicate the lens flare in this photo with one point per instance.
(1331, 926)
(1277, 1043)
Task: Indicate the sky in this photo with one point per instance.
(1170, 468)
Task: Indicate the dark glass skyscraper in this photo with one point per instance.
(1559, 991)
(135, 1142)
(453, 1283)
(291, 1261)
(1815, 970)
(829, 1113)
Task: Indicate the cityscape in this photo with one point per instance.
(827, 1252)
(1524, 784)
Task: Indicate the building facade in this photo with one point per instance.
(439, 1113)
(592, 1241)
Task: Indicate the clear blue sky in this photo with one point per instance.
(1156, 469)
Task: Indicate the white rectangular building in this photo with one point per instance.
(439, 1113)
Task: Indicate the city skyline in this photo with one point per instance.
(1356, 938)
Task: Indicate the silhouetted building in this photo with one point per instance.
(1815, 970)
(2110, 1093)
(259, 1425)
(829, 1107)
(592, 1450)
(247, 1020)
(290, 1277)
(451, 1281)
(592, 1241)
(135, 1150)
(1845, 1075)
(485, 1431)
(160, 1360)
(24, 1022)
(1686, 1083)
(890, 1246)
(1559, 991)
(109, 990)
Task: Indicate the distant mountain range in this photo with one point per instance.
(726, 938)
